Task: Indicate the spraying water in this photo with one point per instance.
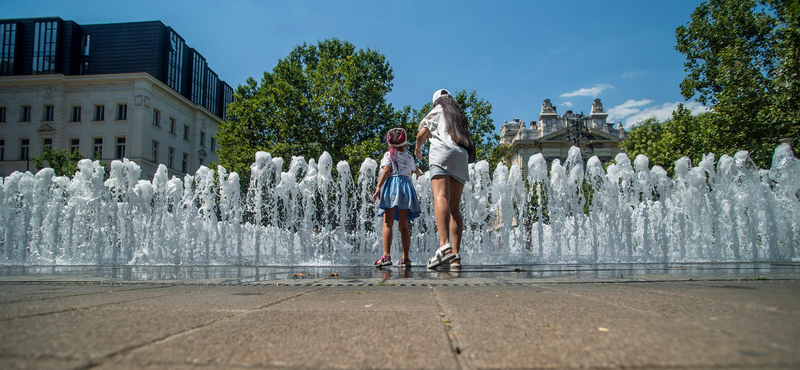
(728, 210)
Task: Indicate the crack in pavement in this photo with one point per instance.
(452, 337)
(193, 329)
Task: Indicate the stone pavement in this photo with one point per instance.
(709, 317)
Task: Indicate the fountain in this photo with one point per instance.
(719, 211)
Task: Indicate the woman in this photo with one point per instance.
(450, 153)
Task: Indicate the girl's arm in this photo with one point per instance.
(418, 172)
(381, 180)
(422, 136)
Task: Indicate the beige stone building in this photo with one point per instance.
(553, 135)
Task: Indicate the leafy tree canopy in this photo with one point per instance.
(324, 97)
(329, 97)
(62, 162)
(743, 59)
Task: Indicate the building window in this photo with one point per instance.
(24, 149)
(74, 145)
(3, 150)
(170, 155)
(98, 148)
(122, 112)
(175, 65)
(154, 152)
(85, 68)
(85, 43)
(76, 114)
(8, 39)
(202, 161)
(47, 143)
(44, 47)
(49, 112)
(185, 132)
(213, 144)
(171, 125)
(184, 164)
(25, 113)
(198, 72)
(211, 91)
(156, 118)
(99, 112)
(120, 147)
(202, 138)
(227, 98)
(2, 114)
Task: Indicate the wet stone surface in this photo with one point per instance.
(700, 316)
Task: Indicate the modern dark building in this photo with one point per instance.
(69, 86)
(54, 46)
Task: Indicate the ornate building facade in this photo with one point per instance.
(553, 135)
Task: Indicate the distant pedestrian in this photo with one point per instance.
(450, 154)
(399, 201)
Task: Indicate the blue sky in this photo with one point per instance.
(512, 53)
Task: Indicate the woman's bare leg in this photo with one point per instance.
(388, 223)
(405, 232)
(456, 220)
(441, 207)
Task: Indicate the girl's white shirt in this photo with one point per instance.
(404, 162)
(444, 152)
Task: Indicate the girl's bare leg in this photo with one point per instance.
(456, 220)
(388, 223)
(405, 232)
(441, 207)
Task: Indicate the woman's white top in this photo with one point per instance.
(444, 152)
(404, 162)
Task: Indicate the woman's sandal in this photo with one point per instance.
(443, 255)
(404, 262)
(384, 261)
(456, 262)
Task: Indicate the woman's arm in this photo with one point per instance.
(422, 136)
(381, 180)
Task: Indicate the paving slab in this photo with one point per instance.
(562, 330)
(91, 297)
(313, 339)
(22, 363)
(96, 332)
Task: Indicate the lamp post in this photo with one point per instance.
(577, 130)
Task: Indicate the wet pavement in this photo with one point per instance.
(641, 316)
(415, 275)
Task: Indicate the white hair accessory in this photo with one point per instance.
(439, 93)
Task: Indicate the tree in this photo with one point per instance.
(666, 142)
(324, 97)
(62, 162)
(743, 58)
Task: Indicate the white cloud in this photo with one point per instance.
(631, 74)
(592, 91)
(627, 108)
(567, 104)
(663, 112)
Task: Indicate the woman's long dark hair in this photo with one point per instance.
(457, 126)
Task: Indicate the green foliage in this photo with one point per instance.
(666, 142)
(743, 58)
(62, 162)
(324, 97)
(330, 97)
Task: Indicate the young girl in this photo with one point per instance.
(450, 154)
(399, 200)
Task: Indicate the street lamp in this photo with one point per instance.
(577, 131)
